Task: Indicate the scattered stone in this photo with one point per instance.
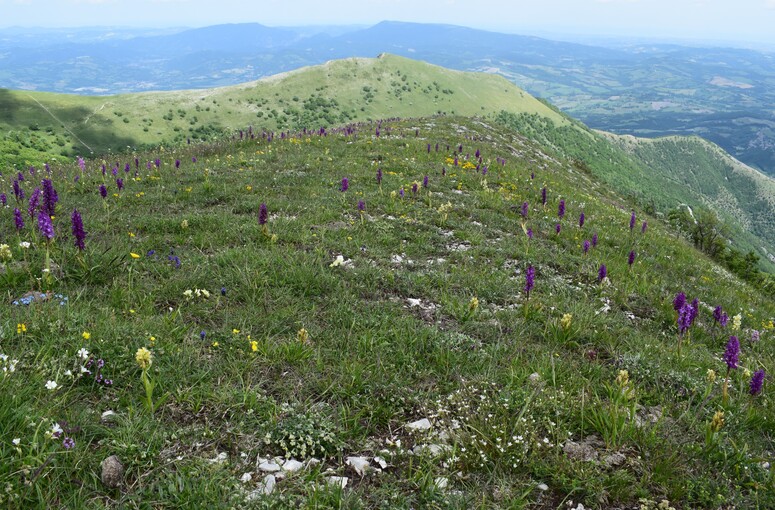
(269, 467)
(431, 449)
(312, 462)
(459, 247)
(245, 478)
(108, 417)
(441, 482)
(220, 458)
(614, 459)
(112, 472)
(580, 451)
(265, 488)
(292, 466)
(383, 464)
(534, 378)
(419, 425)
(359, 464)
(340, 481)
(647, 415)
(543, 487)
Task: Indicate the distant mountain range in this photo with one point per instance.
(722, 94)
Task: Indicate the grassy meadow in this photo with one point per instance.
(658, 175)
(380, 316)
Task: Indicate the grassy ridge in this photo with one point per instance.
(321, 96)
(43, 126)
(426, 316)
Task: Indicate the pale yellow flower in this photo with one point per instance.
(566, 320)
(717, 422)
(144, 358)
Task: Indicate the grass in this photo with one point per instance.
(393, 334)
(43, 127)
(327, 95)
(664, 173)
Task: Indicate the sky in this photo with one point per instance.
(709, 20)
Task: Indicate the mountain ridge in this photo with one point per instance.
(358, 89)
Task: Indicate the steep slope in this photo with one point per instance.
(662, 174)
(738, 193)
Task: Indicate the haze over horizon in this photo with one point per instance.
(745, 21)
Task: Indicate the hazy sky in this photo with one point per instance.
(742, 20)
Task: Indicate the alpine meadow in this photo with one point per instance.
(377, 283)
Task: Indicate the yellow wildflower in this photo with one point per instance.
(21, 328)
(302, 336)
(134, 255)
(86, 335)
(5, 252)
(566, 320)
(717, 422)
(254, 346)
(144, 358)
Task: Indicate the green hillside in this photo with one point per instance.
(665, 173)
(41, 125)
(740, 194)
(267, 323)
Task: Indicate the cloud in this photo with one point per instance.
(770, 4)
